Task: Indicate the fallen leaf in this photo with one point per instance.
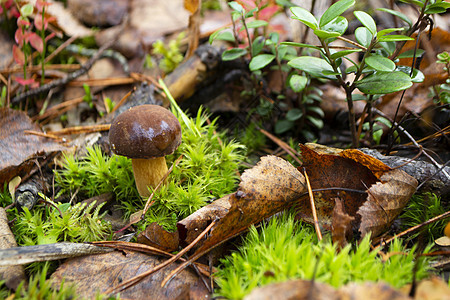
(18, 150)
(305, 289)
(385, 201)
(100, 13)
(431, 289)
(371, 291)
(341, 225)
(154, 235)
(98, 273)
(269, 187)
(294, 289)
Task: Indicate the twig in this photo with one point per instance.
(121, 102)
(414, 228)
(282, 144)
(81, 129)
(58, 82)
(313, 206)
(406, 133)
(128, 283)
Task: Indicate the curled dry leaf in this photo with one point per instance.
(19, 150)
(269, 187)
(341, 224)
(377, 193)
(156, 236)
(386, 200)
(98, 273)
(369, 194)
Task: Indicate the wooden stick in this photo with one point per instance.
(81, 129)
(313, 207)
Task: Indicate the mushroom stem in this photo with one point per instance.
(148, 173)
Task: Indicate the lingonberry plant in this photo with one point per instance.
(28, 39)
(377, 72)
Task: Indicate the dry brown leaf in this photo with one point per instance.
(382, 195)
(305, 289)
(269, 187)
(19, 150)
(371, 291)
(154, 235)
(294, 289)
(431, 289)
(385, 201)
(94, 273)
(341, 225)
(191, 5)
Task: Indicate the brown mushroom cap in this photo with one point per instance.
(145, 131)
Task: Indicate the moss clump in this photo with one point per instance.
(208, 169)
(45, 225)
(285, 249)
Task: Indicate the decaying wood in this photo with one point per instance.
(183, 82)
(420, 170)
(12, 275)
(29, 254)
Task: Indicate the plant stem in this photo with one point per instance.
(43, 48)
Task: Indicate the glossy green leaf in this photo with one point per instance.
(415, 2)
(384, 83)
(363, 36)
(233, 53)
(339, 24)
(387, 31)
(318, 123)
(236, 7)
(298, 83)
(366, 20)
(437, 8)
(317, 110)
(416, 76)
(256, 24)
(294, 114)
(26, 10)
(222, 36)
(380, 63)
(260, 61)
(410, 53)
(282, 50)
(283, 125)
(395, 38)
(388, 46)
(312, 65)
(257, 45)
(322, 34)
(335, 10)
(344, 53)
(305, 17)
(397, 14)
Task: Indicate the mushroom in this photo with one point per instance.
(146, 134)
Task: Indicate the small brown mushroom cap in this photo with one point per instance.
(145, 131)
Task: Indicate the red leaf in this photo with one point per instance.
(19, 37)
(36, 42)
(22, 22)
(19, 58)
(30, 82)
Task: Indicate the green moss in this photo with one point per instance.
(45, 225)
(421, 208)
(208, 169)
(285, 249)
